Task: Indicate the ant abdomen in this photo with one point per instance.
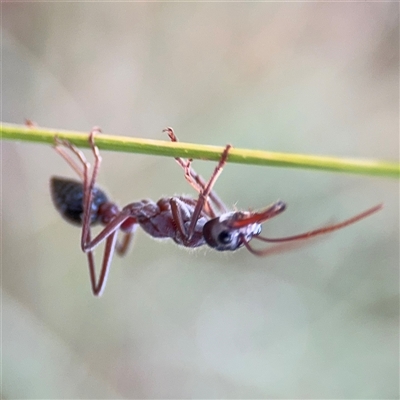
(67, 197)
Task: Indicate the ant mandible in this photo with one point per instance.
(188, 221)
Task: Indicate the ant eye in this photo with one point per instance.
(225, 237)
(220, 236)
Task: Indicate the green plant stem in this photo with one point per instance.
(197, 151)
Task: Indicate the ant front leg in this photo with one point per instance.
(205, 192)
(196, 181)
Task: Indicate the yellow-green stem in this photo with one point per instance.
(204, 152)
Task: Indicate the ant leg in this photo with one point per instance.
(184, 163)
(88, 185)
(87, 190)
(99, 285)
(191, 176)
(194, 179)
(203, 196)
(111, 231)
(218, 203)
(179, 214)
(122, 246)
(109, 234)
(177, 210)
(80, 170)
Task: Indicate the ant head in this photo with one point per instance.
(232, 230)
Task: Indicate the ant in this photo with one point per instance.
(189, 222)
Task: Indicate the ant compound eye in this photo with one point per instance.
(219, 236)
(225, 237)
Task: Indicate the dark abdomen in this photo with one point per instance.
(67, 195)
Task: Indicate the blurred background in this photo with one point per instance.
(321, 321)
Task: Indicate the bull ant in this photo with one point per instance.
(189, 222)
